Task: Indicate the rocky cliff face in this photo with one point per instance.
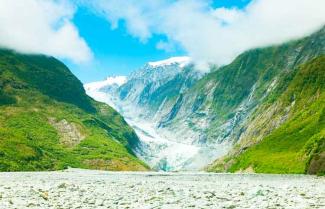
(220, 103)
(276, 137)
(186, 119)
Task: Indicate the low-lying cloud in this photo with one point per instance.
(207, 34)
(42, 26)
(214, 35)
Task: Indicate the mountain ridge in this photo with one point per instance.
(216, 109)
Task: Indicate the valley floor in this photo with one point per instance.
(76, 188)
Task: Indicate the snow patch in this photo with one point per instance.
(181, 61)
(99, 90)
(109, 81)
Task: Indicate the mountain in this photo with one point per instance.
(143, 100)
(243, 103)
(286, 133)
(110, 84)
(47, 121)
(263, 112)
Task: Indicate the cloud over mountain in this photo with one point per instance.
(214, 35)
(207, 34)
(42, 26)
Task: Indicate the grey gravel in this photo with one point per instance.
(75, 188)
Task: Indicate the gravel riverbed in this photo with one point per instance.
(76, 188)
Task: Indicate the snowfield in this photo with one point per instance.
(76, 188)
(181, 61)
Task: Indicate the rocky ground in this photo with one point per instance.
(99, 189)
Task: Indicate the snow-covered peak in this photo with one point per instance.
(109, 81)
(181, 61)
(118, 80)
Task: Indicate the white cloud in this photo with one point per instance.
(166, 45)
(42, 26)
(227, 16)
(215, 35)
(136, 13)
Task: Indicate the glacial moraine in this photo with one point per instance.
(76, 188)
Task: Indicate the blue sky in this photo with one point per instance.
(100, 38)
(116, 52)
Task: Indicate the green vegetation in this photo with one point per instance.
(256, 69)
(47, 122)
(291, 147)
(282, 127)
(297, 146)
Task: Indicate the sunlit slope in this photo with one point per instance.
(298, 144)
(47, 121)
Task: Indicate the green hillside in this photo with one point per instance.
(298, 145)
(47, 122)
(285, 133)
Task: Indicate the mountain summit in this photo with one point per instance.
(180, 61)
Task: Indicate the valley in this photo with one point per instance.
(262, 113)
(188, 119)
(165, 104)
(149, 96)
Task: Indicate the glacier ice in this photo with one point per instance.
(161, 148)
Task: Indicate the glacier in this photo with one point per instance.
(145, 99)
